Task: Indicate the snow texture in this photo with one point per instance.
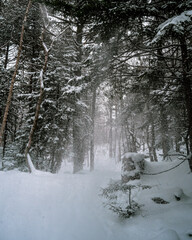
(136, 157)
(64, 206)
(168, 235)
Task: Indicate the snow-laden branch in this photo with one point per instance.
(177, 23)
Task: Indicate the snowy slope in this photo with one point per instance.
(67, 206)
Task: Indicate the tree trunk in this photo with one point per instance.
(78, 143)
(77, 147)
(14, 75)
(5, 141)
(110, 132)
(5, 131)
(178, 138)
(153, 139)
(164, 132)
(120, 128)
(119, 146)
(116, 134)
(42, 72)
(186, 82)
(35, 120)
(149, 145)
(92, 130)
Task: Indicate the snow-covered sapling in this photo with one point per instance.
(118, 198)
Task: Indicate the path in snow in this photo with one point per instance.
(54, 207)
(67, 207)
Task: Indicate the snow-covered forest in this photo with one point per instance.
(95, 119)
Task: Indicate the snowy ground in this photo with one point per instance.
(67, 206)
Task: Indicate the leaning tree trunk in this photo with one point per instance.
(14, 75)
(5, 131)
(28, 159)
(42, 72)
(33, 128)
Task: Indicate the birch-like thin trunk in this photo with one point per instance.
(14, 75)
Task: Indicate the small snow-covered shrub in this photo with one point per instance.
(119, 198)
(132, 166)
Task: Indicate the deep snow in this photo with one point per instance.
(44, 206)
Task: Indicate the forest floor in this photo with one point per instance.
(65, 206)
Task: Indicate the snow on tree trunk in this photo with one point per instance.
(30, 164)
(132, 165)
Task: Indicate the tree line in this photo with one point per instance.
(135, 54)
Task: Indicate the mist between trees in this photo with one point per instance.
(88, 73)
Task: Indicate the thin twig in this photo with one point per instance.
(144, 173)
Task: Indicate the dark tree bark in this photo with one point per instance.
(164, 132)
(186, 82)
(78, 142)
(153, 139)
(14, 75)
(5, 131)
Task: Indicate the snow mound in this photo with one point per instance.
(189, 232)
(136, 157)
(167, 235)
(167, 194)
(44, 206)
